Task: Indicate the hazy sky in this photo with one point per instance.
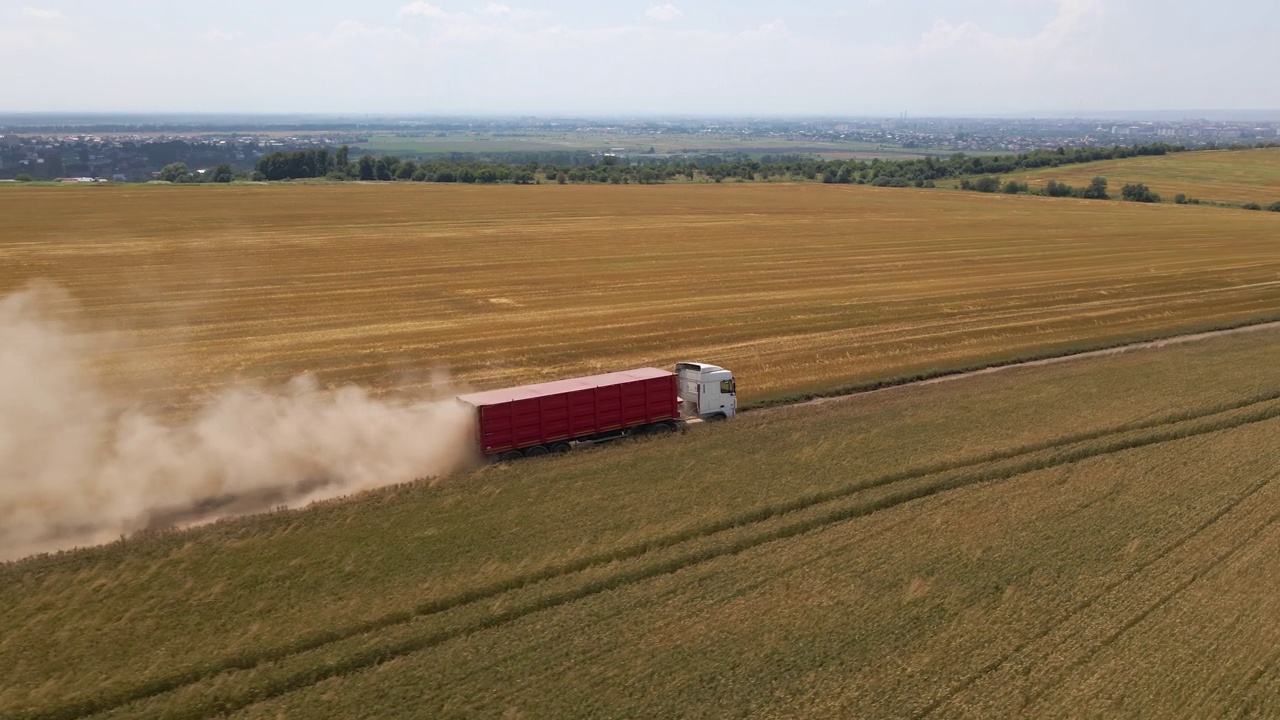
(564, 57)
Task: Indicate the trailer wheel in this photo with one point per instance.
(561, 447)
(535, 451)
(510, 456)
(662, 429)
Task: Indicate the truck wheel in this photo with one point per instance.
(561, 447)
(717, 417)
(510, 455)
(535, 451)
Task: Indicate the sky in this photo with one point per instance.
(639, 58)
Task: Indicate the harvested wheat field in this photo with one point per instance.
(1224, 176)
(1097, 537)
(795, 287)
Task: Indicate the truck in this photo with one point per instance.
(556, 417)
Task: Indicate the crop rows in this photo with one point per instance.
(1070, 629)
(794, 287)
(1085, 622)
(556, 586)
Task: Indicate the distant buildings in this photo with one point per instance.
(1191, 129)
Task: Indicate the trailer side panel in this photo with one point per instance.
(577, 409)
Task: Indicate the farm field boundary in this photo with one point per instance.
(286, 669)
(1215, 176)
(1034, 360)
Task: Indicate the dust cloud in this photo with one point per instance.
(79, 467)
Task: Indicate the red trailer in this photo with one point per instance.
(551, 417)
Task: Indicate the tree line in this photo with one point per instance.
(586, 168)
(978, 173)
(1095, 190)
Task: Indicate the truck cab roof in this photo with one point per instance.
(698, 367)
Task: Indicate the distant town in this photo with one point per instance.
(106, 148)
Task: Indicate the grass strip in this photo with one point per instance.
(950, 371)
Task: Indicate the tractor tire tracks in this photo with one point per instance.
(1084, 605)
(756, 528)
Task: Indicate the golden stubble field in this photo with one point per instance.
(795, 287)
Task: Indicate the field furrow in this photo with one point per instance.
(396, 637)
(796, 287)
(871, 621)
(1044, 662)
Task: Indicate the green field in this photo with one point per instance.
(1221, 176)
(410, 145)
(1093, 537)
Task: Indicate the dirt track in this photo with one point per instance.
(1148, 344)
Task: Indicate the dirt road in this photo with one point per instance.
(1149, 344)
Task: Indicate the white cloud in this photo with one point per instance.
(516, 14)
(218, 35)
(494, 22)
(37, 29)
(944, 36)
(422, 8)
(494, 11)
(663, 13)
(777, 26)
(354, 33)
(1074, 15)
(42, 13)
(1067, 28)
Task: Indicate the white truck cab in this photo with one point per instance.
(706, 391)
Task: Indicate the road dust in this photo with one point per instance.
(79, 467)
